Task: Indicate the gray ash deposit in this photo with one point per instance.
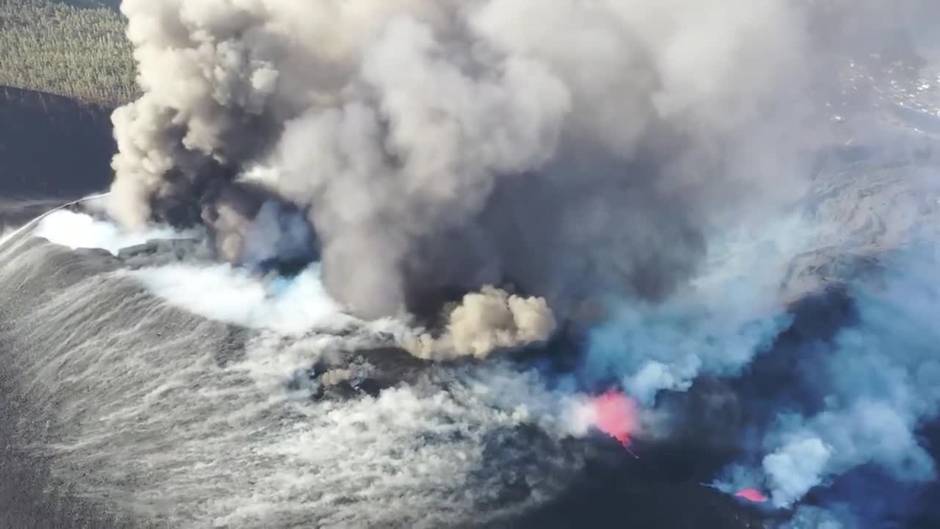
(146, 415)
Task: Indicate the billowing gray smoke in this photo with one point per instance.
(486, 321)
(567, 148)
(255, 228)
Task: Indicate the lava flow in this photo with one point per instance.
(615, 415)
(751, 495)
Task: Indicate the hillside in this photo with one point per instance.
(75, 49)
(52, 146)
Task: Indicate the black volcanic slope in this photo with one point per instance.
(51, 146)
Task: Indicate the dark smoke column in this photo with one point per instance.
(571, 150)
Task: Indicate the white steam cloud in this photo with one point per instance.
(79, 230)
(482, 323)
(291, 306)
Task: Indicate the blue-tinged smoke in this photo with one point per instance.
(652, 348)
(877, 382)
(857, 386)
(816, 518)
(731, 311)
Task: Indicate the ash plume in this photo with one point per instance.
(487, 321)
(444, 146)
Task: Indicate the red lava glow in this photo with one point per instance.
(615, 415)
(752, 495)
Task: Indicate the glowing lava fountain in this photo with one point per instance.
(615, 415)
(752, 495)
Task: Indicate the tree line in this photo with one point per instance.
(63, 49)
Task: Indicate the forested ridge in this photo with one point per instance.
(75, 49)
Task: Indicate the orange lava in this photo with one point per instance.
(615, 415)
(752, 495)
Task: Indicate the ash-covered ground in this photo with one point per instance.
(127, 411)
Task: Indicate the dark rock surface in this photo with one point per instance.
(52, 147)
